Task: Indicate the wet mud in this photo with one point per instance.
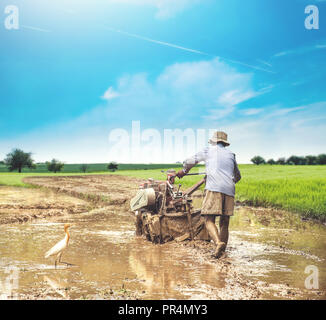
(25, 204)
(266, 258)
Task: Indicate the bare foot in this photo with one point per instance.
(220, 248)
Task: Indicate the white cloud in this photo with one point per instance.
(234, 97)
(205, 89)
(110, 94)
(228, 101)
(300, 50)
(210, 85)
(220, 113)
(279, 132)
(272, 111)
(285, 111)
(252, 111)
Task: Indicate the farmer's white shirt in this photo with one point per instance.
(221, 168)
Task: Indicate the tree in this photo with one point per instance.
(302, 161)
(2, 162)
(258, 160)
(281, 161)
(112, 166)
(321, 159)
(311, 160)
(296, 160)
(18, 159)
(54, 166)
(84, 167)
(271, 161)
(293, 160)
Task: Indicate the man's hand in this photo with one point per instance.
(171, 179)
(180, 174)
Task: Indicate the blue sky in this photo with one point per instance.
(76, 70)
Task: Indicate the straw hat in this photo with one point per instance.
(219, 136)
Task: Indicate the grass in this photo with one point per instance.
(299, 189)
(16, 179)
(294, 188)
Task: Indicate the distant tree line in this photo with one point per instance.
(18, 159)
(293, 160)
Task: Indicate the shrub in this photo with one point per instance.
(54, 166)
(112, 166)
(83, 167)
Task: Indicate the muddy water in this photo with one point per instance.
(111, 263)
(278, 247)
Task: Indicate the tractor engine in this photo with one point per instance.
(154, 195)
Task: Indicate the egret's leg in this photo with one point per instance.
(57, 258)
(66, 263)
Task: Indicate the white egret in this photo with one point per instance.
(59, 247)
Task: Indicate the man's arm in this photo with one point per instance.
(191, 162)
(236, 173)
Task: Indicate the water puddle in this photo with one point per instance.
(111, 263)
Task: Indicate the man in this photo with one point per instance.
(222, 175)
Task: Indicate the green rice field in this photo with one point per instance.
(300, 189)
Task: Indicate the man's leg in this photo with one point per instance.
(211, 228)
(224, 229)
(213, 233)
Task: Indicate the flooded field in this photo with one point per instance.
(266, 258)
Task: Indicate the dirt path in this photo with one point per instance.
(266, 257)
